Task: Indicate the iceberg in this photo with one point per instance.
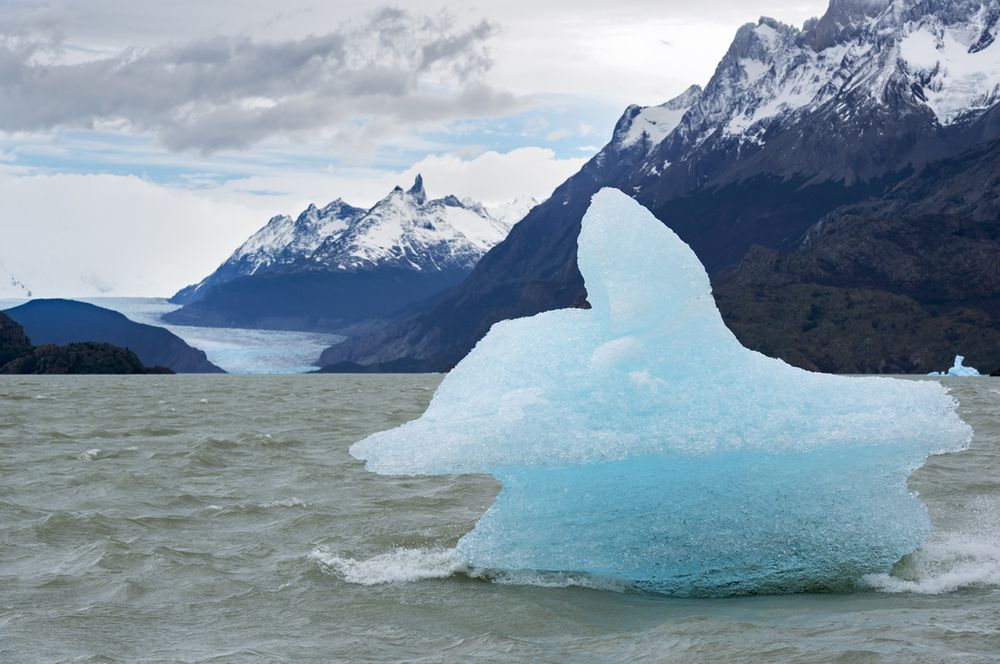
(959, 369)
(638, 441)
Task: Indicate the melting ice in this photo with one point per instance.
(639, 441)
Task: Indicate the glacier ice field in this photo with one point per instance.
(638, 441)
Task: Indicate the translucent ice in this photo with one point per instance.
(959, 369)
(640, 441)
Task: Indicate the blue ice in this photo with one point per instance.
(959, 369)
(639, 441)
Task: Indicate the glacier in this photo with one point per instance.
(638, 441)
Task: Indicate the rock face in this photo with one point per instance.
(82, 358)
(336, 266)
(895, 284)
(61, 322)
(796, 125)
(14, 343)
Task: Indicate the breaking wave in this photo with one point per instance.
(951, 561)
(404, 565)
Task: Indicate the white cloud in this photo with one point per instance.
(494, 177)
(489, 177)
(85, 235)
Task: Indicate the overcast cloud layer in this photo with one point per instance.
(392, 68)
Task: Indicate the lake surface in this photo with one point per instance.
(221, 519)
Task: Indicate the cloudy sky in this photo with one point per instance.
(140, 143)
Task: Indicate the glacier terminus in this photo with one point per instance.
(638, 441)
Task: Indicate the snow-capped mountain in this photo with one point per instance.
(319, 270)
(868, 71)
(403, 230)
(282, 242)
(407, 230)
(795, 123)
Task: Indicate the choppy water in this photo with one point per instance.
(220, 518)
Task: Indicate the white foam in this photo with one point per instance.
(409, 565)
(552, 580)
(291, 502)
(944, 567)
(274, 504)
(968, 557)
(397, 566)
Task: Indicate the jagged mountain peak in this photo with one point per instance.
(842, 19)
(406, 229)
(403, 230)
(417, 190)
(761, 39)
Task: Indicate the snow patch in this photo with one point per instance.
(958, 81)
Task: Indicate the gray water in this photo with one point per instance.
(221, 519)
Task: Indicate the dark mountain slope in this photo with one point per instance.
(897, 284)
(82, 358)
(311, 299)
(63, 322)
(14, 342)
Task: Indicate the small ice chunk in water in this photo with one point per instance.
(959, 369)
(639, 441)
